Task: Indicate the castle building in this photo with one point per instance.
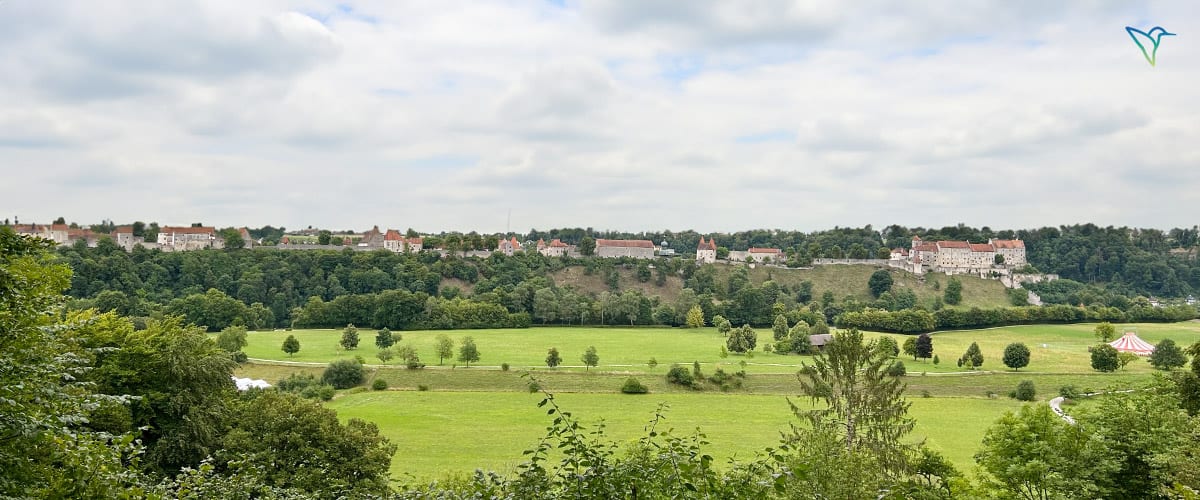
(706, 251)
(638, 249)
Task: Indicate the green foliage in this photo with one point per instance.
(349, 340)
(1035, 454)
(1016, 355)
(1104, 358)
(723, 325)
(1025, 391)
(504, 367)
(695, 317)
(652, 364)
(972, 358)
(408, 354)
(861, 406)
(680, 376)
(344, 374)
(287, 442)
(1167, 356)
(881, 281)
(590, 358)
(1124, 358)
(742, 339)
(780, 327)
(896, 369)
(232, 338)
(553, 359)
(953, 293)
(379, 384)
(888, 346)
(467, 351)
(1105, 332)
(1018, 296)
(291, 345)
(385, 355)
(910, 347)
(384, 338)
(445, 348)
(633, 386)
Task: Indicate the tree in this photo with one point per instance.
(349, 338)
(695, 317)
(1194, 351)
(590, 358)
(552, 357)
(1034, 454)
(1016, 356)
(723, 325)
(1105, 332)
(232, 239)
(1025, 391)
(344, 374)
(291, 345)
(780, 328)
(910, 347)
(445, 347)
(973, 358)
(467, 352)
(1167, 356)
(1104, 358)
(587, 246)
(880, 281)
(924, 346)
(742, 339)
(412, 361)
(232, 338)
(384, 338)
(385, 355)
(545, 305)
(888, 346)
(323, 238)
(859, 403)
(953, 292)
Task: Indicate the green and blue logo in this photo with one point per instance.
(1152, 38)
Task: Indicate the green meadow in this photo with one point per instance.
(451, 419)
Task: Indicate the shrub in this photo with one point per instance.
(1069, 392)
(680, 376)
(323, 392)
(239, 357)
(379, 384)
(296, 382)
(1025, 391)
(422, 387)
(633, 386)
(503, 367)
(896, 369)
(1105, 358)
(344, 374)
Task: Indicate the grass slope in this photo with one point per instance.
(442, 432)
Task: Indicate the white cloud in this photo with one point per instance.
(630, 115)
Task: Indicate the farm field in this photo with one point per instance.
(440, 433)
(1056, 349)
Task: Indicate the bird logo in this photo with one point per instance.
(1154, 37)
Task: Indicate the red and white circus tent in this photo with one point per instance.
(1130, 342)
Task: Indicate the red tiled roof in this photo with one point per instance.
(711, 245)
(28, 228)
(625, 243)
(926, 247)
(765, 250)
(541, 243)
(1008, 243)
(900, 251)
(558, 244)
(187, 230)
(953, 244)
(916, 238)
(123, 230)
(393, 235)
(416, 241)
(59, 227)
(982, 247)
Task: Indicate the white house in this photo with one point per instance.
(706, 251)
(555, 248)
(638, 249)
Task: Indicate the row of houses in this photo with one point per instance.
(706, 253)
(170, 238)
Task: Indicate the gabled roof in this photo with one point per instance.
(764, 250)
(953, 244)
(926, 247)
(982, 247)
(557, 244)
(1008, 243)
(710, 245)
(901, 251)
(624, 243)
(123, 230)
(541, 243)
(59, 227)
(393, 235)
(187, 230)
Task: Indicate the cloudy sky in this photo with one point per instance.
(618, 114)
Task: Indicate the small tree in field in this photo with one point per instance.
(467, 352)
(232, 338)
(1105, 332)
(590, 358)
(695, 317)
(972, 358)
(1016, 356)
(349, 337)
(1167, 356)
(653, 363)
(1104, 358)
(552, 357)
(924, 346)
(385, 338)
(780, 328)
(888, 346)
(291, 345)
(445, 347)
(910, 347)
(385, 355)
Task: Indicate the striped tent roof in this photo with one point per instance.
(1130, 342)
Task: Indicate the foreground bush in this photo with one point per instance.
(344, 374)
(634, 386)
(679, 375)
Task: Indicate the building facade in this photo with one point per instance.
(179, 238)
(706, 251)
(962, 257)
(638, 249)
(555, 248)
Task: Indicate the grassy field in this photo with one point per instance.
(457, 432)
(1056, 349)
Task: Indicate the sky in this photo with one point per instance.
(612, 114)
